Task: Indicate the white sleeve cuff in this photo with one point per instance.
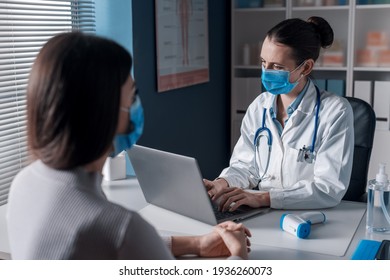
(168, 241)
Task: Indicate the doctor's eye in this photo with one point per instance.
(278, 67)
(273, 66)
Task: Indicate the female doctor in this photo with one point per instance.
(296, 144)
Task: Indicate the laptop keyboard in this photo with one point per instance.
(223, 215)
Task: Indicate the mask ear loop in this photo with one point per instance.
(302, 75)
(299, 66)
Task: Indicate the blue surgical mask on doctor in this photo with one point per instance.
(136, 126)
(278, 81)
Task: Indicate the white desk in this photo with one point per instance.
(128, 194)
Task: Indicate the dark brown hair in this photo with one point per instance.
(73, 98)
(305, 38)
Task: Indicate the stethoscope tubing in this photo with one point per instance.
(268, 131)
(318, 105)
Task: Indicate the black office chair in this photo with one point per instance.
(364, 126)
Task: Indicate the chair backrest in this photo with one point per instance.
(364, 126)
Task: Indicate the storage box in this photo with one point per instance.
(336, 86)
(248, 3)
(273, 3)
(384, 58)
(377, 39)
(362, 90)
(333, 58)
(366, 58)
(321, 83)
(382, 104)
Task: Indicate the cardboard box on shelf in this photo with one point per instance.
(333, 58)
(384, 58)
(366, 58)
(377, 39)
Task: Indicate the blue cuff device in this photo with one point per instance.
(370, 250)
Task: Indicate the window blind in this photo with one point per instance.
(25, 25)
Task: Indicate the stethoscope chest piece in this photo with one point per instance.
(305, 154)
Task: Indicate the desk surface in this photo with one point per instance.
(128, 194)
(330, 240)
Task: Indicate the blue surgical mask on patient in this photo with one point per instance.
(136, 113)
(278, 81)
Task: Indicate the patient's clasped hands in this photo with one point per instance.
(227, 239)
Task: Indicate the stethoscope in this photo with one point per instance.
(305, 154)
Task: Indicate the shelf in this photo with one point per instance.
(295, 9)
(256, 67)
(320, 8)
(330, 68)
(316, 68)
(373, 7)
(372, 69)
(260, 10)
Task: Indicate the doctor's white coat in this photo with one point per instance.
(292, 184)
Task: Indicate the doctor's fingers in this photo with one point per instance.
(208, 184)
(241, 200)
(222, 195)
(229, 200)
(249, 199)
(216, 193)
(214, 188)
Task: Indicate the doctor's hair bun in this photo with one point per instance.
(324, 30)
(304, 37)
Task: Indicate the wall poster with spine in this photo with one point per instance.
(182, 43)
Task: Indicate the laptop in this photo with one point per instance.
(174, 182)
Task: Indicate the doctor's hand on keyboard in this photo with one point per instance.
(215, 187)
(230, 198)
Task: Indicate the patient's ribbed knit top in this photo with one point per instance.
(64, 214)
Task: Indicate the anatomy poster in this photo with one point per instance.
(182, 43)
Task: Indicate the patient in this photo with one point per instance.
(78, 99)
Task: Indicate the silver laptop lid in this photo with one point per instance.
(173, 182)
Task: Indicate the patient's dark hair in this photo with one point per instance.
(73, 98)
